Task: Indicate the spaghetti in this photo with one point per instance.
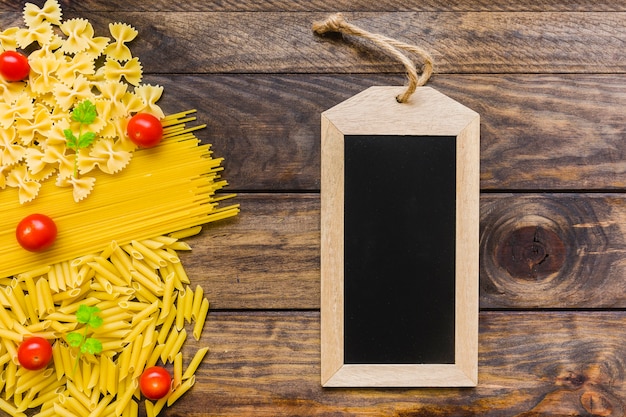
(167, 188)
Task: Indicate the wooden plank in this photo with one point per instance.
(552, 251)
(546, 363)
(321, 5)
(568, 254)
(266, 257)
(545, 132)
(460, 42)
(268, 126)
(531, 364)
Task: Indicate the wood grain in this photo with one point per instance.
(549, 364)
(582, 233)
(321, 5)
(267, 127)
(283, 42)
(546, 77)
(268, 257)
(531, 364)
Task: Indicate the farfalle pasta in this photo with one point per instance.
(69, 63)
(122, 33)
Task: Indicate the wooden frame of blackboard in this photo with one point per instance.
(427, 114)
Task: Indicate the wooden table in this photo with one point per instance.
(548, 80)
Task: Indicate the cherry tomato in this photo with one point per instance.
(155, 382)
(14, 66)
(36, 232)
(34, 353)
(145, 130)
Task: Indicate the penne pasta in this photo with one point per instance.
(143, 325)
(188, 304)
(182, 389)
(178, 370)
(195, 362)
(198, 325)
(10, 409)
(198, 296)
(125, 398)
(167, 296)
(184, 233)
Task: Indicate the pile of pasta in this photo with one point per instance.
(69, 64)
(117, 244)
(145, 301)
(170, 187)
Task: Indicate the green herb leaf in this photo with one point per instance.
(95, 321)
(92, 346)
(70, 138)
(85, 313)
(86, 139)
(74, 339)
(84, 113)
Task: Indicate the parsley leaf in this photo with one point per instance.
(91, 346)
(87, 315)
(84, 113)
(74, 339)
(86, 139)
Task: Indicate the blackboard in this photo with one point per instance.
(399, 249)
(399, 241)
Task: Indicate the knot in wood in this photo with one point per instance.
(596, 404)
(531, 252)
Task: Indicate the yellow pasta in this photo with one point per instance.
(146, 311)
(32, 379)
(102, 404)
(180, 309)
(155, 355)
(178, 344)
(195, 362)
(198, 295)
(61, 411)
(188, 304)
(10, 409)
(125, 398)
(183, 388)
(137, 346)
(143, 190)
(30, 308)
(7, 319)
(167, 296)
(130, 337)
(103, 256)
(48, 397)
(178, 370)
(169, 344)
(184, 233)
(133, 338)
(142, 359)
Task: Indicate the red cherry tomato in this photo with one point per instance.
(14, 66)
(36, 232)
(155, 382)
(34, 353)
(145, 130)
